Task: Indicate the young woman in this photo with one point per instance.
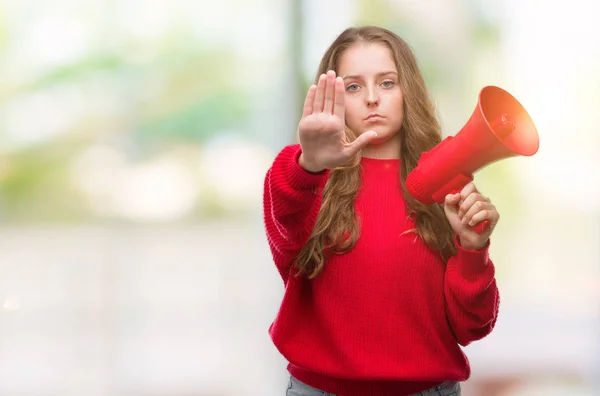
(380, 290)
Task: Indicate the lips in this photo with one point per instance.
(374, 116)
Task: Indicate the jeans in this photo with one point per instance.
(297, 388)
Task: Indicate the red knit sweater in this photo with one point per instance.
(385, 318)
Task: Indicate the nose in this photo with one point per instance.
(372, 98)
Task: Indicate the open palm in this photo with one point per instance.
(321, 128)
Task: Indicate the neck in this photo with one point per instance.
(383, 150)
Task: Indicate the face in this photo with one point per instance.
(373, 95)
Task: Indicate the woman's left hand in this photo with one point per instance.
(466, 209)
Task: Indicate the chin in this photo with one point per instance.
(383, 134)
(385, 137)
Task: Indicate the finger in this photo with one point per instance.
(476, 208)
(329, 92)
(485, 214)
(320, 94)
(339, 107)
(467, 203)
(451, 201)
(308, 102)
(360, 142)
(468, 189)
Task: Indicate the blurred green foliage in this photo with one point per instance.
(183, 93)
(161, 94)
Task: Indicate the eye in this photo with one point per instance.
(352, 87)
(388, 84)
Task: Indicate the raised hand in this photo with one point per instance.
(321, 128)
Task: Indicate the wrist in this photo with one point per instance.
(472, 246)
(307, 166)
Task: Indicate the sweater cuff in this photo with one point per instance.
(471, 263)
(301, 179)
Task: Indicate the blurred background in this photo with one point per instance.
(134, 139)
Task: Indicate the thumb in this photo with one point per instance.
(360, 142)
(451, 202)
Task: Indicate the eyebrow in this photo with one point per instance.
(378, 74)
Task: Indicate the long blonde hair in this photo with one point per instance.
(337, 226)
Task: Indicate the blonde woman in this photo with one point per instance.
(380, 290)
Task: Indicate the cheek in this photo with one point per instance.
(395, 98)
(397, 104)
(352, 113)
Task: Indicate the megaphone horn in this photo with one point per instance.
(499, 128)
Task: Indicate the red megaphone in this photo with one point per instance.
(499, 128)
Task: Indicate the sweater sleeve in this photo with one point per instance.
(471, 293)
(291, 202)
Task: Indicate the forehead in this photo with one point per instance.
(366, 59)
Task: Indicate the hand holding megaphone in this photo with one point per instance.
(466, 211)
(499, 128)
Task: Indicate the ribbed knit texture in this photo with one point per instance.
(385, 318)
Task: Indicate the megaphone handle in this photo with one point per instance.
(479, 227)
